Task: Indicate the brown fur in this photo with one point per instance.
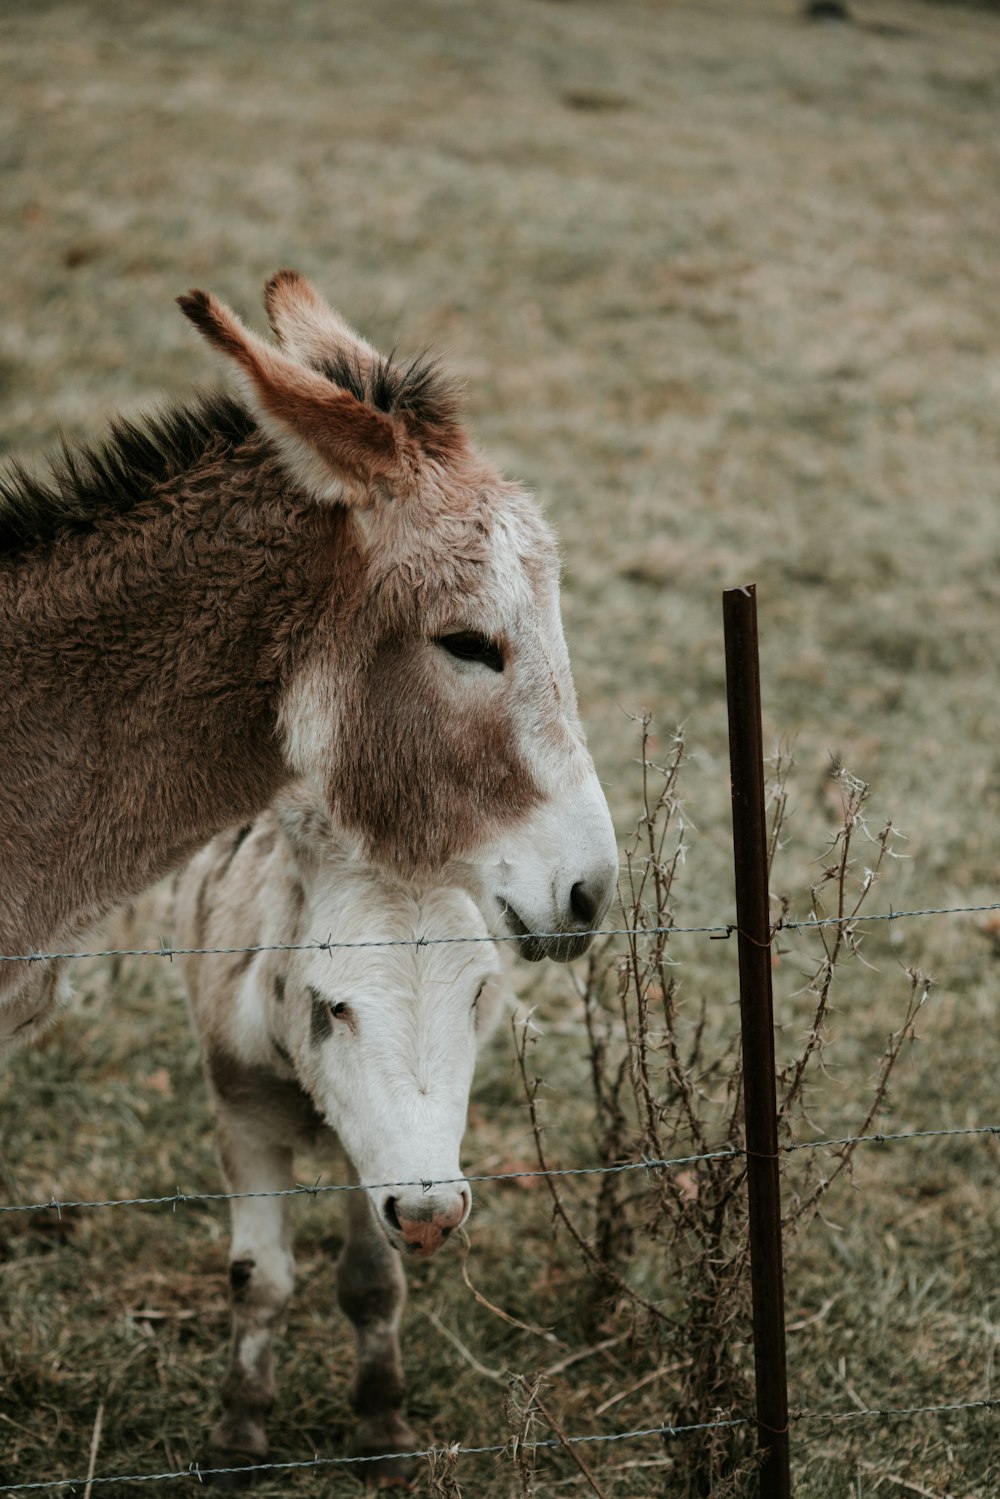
(404, 772)
(141, 701)
(250, 1090)
(349, 435)
(185, 585)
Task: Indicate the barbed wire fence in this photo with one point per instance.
(664, 1433)
(181, 1199)
(497, 1449)
(719, 930)
(320, 1189)
(774, 1419)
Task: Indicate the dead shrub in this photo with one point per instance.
(666, 1080)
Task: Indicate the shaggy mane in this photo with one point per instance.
(418, 390)
(112, 477)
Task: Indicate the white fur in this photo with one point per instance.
(391, 1080)
(568, 839)
(396, 1077)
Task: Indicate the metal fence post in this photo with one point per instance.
(746, 759)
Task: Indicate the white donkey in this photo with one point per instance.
(372, 1048)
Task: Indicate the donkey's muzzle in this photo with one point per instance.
(419, 1227)
(558, 873)
(574, 931)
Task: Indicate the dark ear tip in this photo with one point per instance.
(195, 305)
(282, 278)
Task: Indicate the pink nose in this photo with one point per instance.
(425, 1234)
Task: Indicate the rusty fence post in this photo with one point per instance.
(746, 760)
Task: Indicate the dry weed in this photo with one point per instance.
(666, 1085)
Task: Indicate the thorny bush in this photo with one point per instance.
(667, 1083)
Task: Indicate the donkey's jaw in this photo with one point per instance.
(533, 946)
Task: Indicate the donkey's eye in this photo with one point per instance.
(465, 646)
(479, 995)
(340, 1010)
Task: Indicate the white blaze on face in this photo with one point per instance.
(388, 1037)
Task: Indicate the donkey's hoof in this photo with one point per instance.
(238, 1471)
(235, 1448)
(387, 1442)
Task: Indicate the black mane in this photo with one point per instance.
(418, 389)
(116, 475)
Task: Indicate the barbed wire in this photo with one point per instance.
(882, 1138)
(176, 1199)
(165, 950)
(664, 1432)
(792, 924)
(718, 930)
(195, 1470)
(179, 1199)
(890, 1411)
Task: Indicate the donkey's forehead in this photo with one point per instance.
(386, 925)
(491, 556)
(521, 538)
(437, 977)
(504, 561)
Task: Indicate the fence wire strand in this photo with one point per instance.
(195, 1470)
(890, 1412)
(176, 1199)
(716, 931)
(318, 1189)
(719, 929)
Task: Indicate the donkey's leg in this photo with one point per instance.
(261, 1274)
(371, 1288)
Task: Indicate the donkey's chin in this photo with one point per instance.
(561, 947)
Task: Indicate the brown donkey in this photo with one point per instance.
(321, 578)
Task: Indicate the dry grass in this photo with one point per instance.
(722, 286)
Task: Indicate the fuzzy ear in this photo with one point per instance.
(306, 824)
(336, 447)
(309, 328)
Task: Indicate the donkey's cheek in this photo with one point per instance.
(434, 780)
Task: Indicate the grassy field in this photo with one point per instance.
(722, 288)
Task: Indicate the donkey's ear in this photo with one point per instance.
(306, 825)
(309, 328)
(333, 445)
(311, 331)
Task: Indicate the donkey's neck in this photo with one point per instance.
(142, 664)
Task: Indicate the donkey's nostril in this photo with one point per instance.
(391, 1216)
(584, 902)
